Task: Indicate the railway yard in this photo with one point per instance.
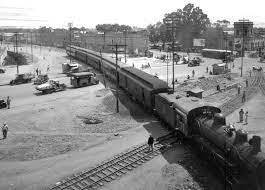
(74, 139)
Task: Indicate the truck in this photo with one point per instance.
(83, 79)
(50, 87)
(40, 79)
(22, 78)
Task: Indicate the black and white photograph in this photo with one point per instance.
(132, 95)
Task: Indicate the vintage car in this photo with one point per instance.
(51, 86)
(83, 79)
(2, 104)
(22, 78)
(41, 79)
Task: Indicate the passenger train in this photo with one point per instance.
(237, 157)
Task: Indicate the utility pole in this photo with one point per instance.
(125, 49)
(31, 46)
(167, 67)
(173, 21)
(243, 48)
(16, 51)
(70, 25)
(117, 46)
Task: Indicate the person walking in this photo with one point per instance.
(246, 117)
(193, 73)
(241, 114)
(8, 100)
(37, 71)
(207, 69)
(238, 89)
(244, 96)
(246, 83)
(4, 130)
(150, 143)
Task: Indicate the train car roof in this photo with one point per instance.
(186, 104)
(217, 50)
(150, 80)
(104, 57)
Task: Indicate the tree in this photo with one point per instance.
(190, 21)
(221, 24)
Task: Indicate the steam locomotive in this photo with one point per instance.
(229, 149)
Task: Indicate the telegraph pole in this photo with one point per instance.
(125, 49)
(117, 46)
(173, 26)
(31, 46)
(70, 25)
(243, 48)
(16, 51)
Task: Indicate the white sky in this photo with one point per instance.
(89, 13)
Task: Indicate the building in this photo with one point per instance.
(243, 32)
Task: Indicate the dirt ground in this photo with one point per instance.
(49, 139)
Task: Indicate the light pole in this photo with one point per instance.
(70, 25)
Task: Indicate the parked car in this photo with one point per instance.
(22, 78)
(2, 104)
(41, 79)
(51, 86)
(193, 63)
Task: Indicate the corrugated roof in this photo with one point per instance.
(150, 80)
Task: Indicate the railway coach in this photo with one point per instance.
(141, 86)
(180, 112)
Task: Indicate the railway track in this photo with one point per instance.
(257, 82)
(116, 167)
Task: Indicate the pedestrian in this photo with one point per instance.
(241, 114)
(193, 73)
(238, 89)
(4, 130)
(247, 83)
(246, 117)
(207, 69)
(48, 68)
(150, 143)
(218, 87)
(8, 100)
(244, 96)
(37, 71)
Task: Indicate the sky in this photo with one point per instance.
(140, 13)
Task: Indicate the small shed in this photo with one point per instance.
(195, 92)
(220, 68)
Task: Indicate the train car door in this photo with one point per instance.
(181, 122)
